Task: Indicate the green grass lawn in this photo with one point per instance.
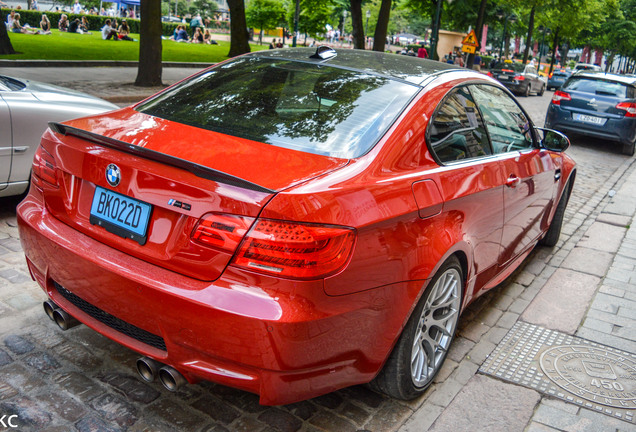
(73, 46)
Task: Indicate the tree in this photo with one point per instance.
(356, 22)
(263, 14)
(379, 38)
(149, 69)
(314, 15)
(239, 43)
(5, 42)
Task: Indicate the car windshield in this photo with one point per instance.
(302, 106)
(599, 87)
(517, 67)
(11, 83)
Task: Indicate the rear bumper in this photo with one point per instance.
(622, 130)
(284, 340)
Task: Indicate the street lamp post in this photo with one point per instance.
(366, 27)
(435, 33)
(545, 30)
(506, 17)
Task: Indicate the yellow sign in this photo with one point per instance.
(471, 39)
(468, 49)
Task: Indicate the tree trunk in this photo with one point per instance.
(238, 28)
(379, 38)
(529, 37)
(356, 21)
(479, 29)
(554, 50)
(5, 42)
(149, 69)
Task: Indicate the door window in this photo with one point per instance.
(509, 128)
(457, 131)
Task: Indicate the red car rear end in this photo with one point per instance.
(277, 246)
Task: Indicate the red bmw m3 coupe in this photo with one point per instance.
(291, 222)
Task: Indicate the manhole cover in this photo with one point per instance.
(573, 369)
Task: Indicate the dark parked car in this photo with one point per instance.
(596, 104)
(291, 222)
(518, 78)
(557, 78)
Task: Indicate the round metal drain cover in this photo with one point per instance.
(592, 373)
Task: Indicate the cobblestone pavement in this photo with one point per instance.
(79, 380)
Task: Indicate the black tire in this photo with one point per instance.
(628, 148)
(410, 369)
(541, 91)
(526, 92)
(551, 236)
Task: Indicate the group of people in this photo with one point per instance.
(110, 31)
(13, 25)
(199, 36)
(75, 26)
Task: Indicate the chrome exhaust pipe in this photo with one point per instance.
(49, 308)
(148, 368)
(64, 320)
(171, 378)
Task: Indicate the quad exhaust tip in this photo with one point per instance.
(59, 316)
(148, 368)
(49, 309)
(171, 378)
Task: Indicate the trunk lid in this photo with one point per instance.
(177, 174)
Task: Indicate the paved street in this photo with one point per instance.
(585, 288)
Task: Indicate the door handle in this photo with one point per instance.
(513, 181)
(557, 175)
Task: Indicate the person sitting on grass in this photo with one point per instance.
(197, 37)
(207, 36)
(45, 25)
(84, 25)
(123, 31)
(182, 35)
(108, 32)
(10, 17)
(16, 27)
(62, 24)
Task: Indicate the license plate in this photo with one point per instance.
(121, 215)
(589, 119)
(504, 77)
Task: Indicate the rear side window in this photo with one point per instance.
(509, 128)
(456, 131)
(599, 87)
(303, 106)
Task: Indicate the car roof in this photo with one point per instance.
(411, 69)
(623, 79)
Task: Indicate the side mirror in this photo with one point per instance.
(554, 140)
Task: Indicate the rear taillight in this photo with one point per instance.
(221, 231)
(295, 250)
(519, 78)
(629, 107)
(550, 76)
(508, 70)
(559, 96)
(489, 74)
(43, 168)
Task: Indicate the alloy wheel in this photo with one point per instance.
(435, 328)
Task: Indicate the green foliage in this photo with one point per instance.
(73, 46)
(264, 14)
(314, 15)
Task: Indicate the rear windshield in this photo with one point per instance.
(517, 67)
(599, 87)
(302, 106)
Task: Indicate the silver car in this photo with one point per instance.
(25, 109)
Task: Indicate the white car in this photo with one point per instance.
(26, 107)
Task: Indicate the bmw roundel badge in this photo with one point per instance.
(113, 175)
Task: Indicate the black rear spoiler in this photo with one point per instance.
(197, 170)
